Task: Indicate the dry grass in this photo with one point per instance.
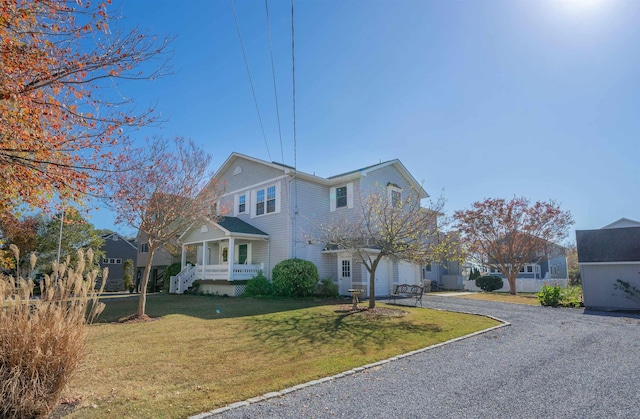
(521, 298)
(208, 352)
(42, 340)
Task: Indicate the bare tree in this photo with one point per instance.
(398, 228)
(511, 234)
(164, 192)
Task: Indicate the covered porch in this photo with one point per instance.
(228, 253)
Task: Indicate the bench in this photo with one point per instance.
(406, 290)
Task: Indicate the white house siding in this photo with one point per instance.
(313, 212)
(197, 234)
(276, 225)
(376, 181)
(252, 173)
(598, 282)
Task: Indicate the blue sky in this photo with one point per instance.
(478, 99)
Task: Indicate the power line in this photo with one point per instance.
(273, 74)
(246, 63)
(295, 145)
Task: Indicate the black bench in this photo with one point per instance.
(406, 290)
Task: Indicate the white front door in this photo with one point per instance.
(344, 274)
(382, 278)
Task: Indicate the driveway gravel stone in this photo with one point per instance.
(550, 362)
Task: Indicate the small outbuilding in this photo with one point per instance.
(605, 256)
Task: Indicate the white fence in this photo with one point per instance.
(522, 285)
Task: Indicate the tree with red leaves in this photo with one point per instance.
(60, 121)
(166, 189)
(507, 235)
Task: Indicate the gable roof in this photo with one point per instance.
(329, 181)
(109, 236)
(623, 223)
(234, 225)
(608, 245)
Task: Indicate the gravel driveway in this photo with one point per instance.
(553, 363)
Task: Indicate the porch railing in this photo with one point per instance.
(221, 272)
(181, 282)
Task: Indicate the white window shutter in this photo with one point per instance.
(349, 195)
(236, 203)
(278, 197)
(253, 199)
(332, 199)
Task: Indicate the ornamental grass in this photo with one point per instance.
(42, 339)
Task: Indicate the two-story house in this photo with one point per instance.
(117, 250)
(273, 211)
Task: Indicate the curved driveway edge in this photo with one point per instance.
(352, 371)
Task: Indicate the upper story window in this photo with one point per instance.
(144, 247)
(267, 200)
(394, 193)
(260, 202)
(341, 197)
(242, 204)
(112, 261)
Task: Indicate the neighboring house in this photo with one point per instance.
(545, 267)
(550, 266)
(117, 250)
(606, 255)
(274, 212)
(161, 259)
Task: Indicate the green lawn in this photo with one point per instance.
(207, 352)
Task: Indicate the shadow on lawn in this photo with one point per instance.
(203, 307)
(353, 328)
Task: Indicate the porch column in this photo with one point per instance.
(231, 256)
(204, 258)
(183, 258)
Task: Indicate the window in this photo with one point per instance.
(242, 204)
(428, 267)
(144, 247)
(529, 268)
(267, 200)
(341, 197)
(224, 255)
(271, 199)
(395, 197)
(105, 260)
(260, 202)
(346, 269)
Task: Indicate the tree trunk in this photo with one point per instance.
(512, 284)
(372, 282)
(372, 288)
(142, 302)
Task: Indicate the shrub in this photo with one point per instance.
(295, 277)
(43, 340)
(259, 285)
(489, 283)
(128, 275)
(327, 288)
(171, 270)
(474, 274)
(550, 295)
(571, 296)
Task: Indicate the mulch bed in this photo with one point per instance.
(373, 312)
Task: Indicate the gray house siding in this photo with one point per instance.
(116, 252)
(598, 285)
(376, 181)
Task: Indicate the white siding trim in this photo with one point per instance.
(332, 199)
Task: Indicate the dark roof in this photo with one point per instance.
(236, 225)
(359, 170)
(609, 245)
